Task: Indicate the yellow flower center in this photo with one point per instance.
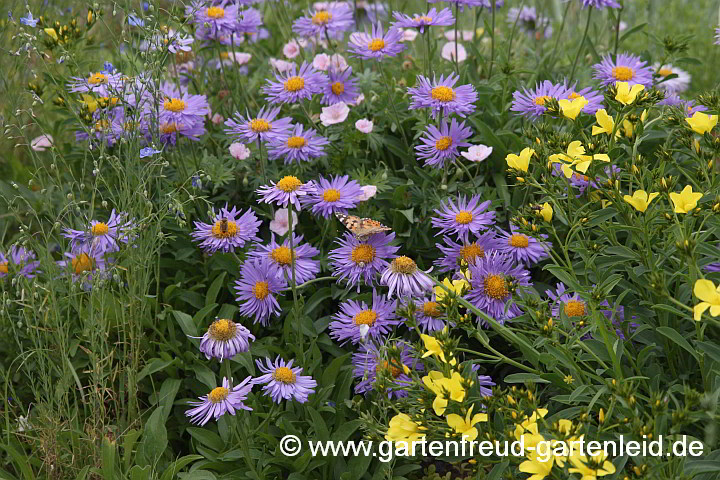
(99, 229)
(403, 265)
(363, 253)
(4, 268)
(96, 78)
(331, 195)
(444, 94)
(623, 73)
(296, 142)
(261, 290)
(574, 308)
(464, 217)
(224, 229)
(495, 287)
(293, 84)
(541, 100)
(423, 18)
(174, 105)
(443, 143)
(393, 370)
(222, 330)
(518, 240)
(573, 96)
(101, 125)
(169, 127)
(431, 309)
(366, 317)
(215, 12)
(376, 44)
(281, 255)
(259, 125)
(321, 18)
(288, 184)
(82, 263)
(664, 72)
(470, 252)
(218, 394)
(284, 374)
(338, 88)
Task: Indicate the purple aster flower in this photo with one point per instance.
(249, 21)
(471, 3)
(455, 254)
(484, 381)
(531, 103)
(430, 19)
(379, 318)
(181, 107)
(688, 106)
(625, 68)
(464, 218)
(442, 96)
(103, 84)
(595, 99)
(293, 86)
(334, 195)
(256, 290)
(576, 180)
(296, 145)
(712, 267)
(601, 4)
(717, 36)
(263, 127)
(522, 248)
(337, 17)
(495, 279)
(440, 145)
(340, 87)
(356, 260)
(213, 21)
(229, 230)
(376, 45)
(530, 22)
(396, 361)
(84, 262)
(221, 400)
(102, 237)
(404, 278)
(288, 190)
(19, 261)
(428, 314)
(280, 258)
(573, 305)
(283, 381)
(225, 339)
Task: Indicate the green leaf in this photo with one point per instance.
(186, 323)
(212, 293)
(20, 461)
(155, 365)
(678, 339)
(109, 454)
(178, 465)
(524, 377)
(207, 438)
(154, 440)
(633, 30)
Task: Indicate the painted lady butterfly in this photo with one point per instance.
(362, 228)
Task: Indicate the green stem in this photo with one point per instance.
(582, 44)
(394, 108)
(492, 42)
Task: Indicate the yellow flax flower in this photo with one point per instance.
(702, 122)
(433, 347)
(597, 466)
(572, 108)
(456, 287)
(576, 157)
(520, 162)
(51, 33)
(546, 212)
(710, 298)
(444, 388)
(605, 122)
(536, 466)
(466, 426)
(625, 94)
(640, 199)
(686, 200)
(402, 429)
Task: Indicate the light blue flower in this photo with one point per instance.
(148, 152)
(29, 20)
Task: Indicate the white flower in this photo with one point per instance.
(674, 85)
(409, 34)
(477, 153)
(333, 114)
(364, 329)
(369, 191)
(448, 52)
(364, 125)
(41, 143)
(281, 65)
(321, 62)
(239, 151)
(291, 49)
(279, 226)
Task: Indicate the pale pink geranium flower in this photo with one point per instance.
(281, 65)
(477, 153)
(360, 98)
(239, 151)
(241, 58)
(217, 119)
(448, 52)
(279, 226)
(41, 143)
(338, 62)
(321, 62)
(364, 125)
(369, 191)
(464, 35)
(291, 49)
(333, 114)
(409, 34)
